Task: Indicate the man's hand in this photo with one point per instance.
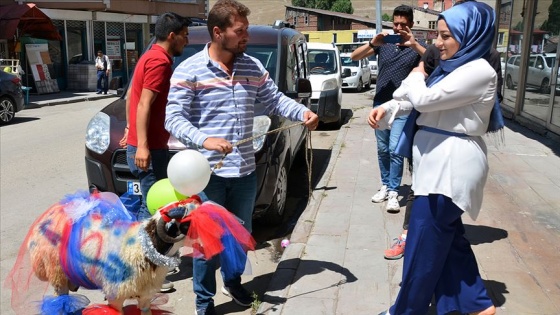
(408, 39)
(311, 120)
(378, 39)
(142, 158)
(218, 144)
(374, 116)
(122, 142)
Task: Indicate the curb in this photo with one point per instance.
(273, 301)
(62, 101)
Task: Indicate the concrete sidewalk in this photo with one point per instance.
(66, 97)
(335, 262)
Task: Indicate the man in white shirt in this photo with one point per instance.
(103, 66)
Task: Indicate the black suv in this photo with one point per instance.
(282, 51)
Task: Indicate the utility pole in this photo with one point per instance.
(378, 21)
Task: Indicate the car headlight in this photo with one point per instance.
(260, 126)
(97, 133)
(354, 74)
(330, 84)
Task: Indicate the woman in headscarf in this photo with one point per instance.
(451, 111)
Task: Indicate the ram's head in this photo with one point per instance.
(171, 223)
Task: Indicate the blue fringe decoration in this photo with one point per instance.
(64, 305)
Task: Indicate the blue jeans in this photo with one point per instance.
(156, 171)
(102, 76)
(390, 164)
(238, 196)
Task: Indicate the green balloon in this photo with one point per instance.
(161, 194)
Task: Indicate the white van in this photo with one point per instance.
(355, 74)
(326, 81)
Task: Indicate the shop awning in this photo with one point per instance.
(30, 20)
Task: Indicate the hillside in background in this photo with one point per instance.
(268, 11)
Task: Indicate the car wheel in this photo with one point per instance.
(509, 82)
(360, 85)
(7, 110)
(275, 213)
(545, 86)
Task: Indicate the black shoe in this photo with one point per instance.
(105, 93)
(99, 92)
(238, 294)
(207, 310)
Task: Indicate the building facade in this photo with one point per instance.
(531, 52)
(119, 28)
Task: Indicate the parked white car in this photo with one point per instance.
(538, 75)
(325, 74)
(355, 74)
(373, 67)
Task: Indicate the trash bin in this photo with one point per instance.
(26, 90)
(116, 83)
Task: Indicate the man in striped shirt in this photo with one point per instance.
(211, 105)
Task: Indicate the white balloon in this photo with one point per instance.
(189, 172)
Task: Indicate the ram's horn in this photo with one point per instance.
(162, 233)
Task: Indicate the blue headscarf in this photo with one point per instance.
(472, 25)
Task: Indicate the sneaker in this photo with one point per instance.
(238, 294)
(166, 286)
(173, 271)
(206, 310)
(392, 202)
(98, 92)
(397, 249)
(381, 195)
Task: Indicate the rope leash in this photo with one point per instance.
(240, 142)
(308, 155)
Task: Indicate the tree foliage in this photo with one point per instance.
(343, 6)
(386, 17)
(552, 24)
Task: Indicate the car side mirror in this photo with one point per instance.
(303, 89)
(346, 73)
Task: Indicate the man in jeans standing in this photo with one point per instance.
(145, 135)
(210, 106)
(395, 61)
(103, 65)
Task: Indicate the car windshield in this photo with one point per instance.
(321, 61)
(348, 62)
(550, 61)
(266, 54)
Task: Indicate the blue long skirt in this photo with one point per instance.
(439, 262)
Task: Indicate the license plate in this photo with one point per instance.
(134, 187)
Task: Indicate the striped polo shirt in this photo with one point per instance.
(204, 101)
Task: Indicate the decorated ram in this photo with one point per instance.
(91, 241)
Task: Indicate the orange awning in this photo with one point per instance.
(30, 20)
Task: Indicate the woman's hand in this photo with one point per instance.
(420, 68)
(375, 116)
